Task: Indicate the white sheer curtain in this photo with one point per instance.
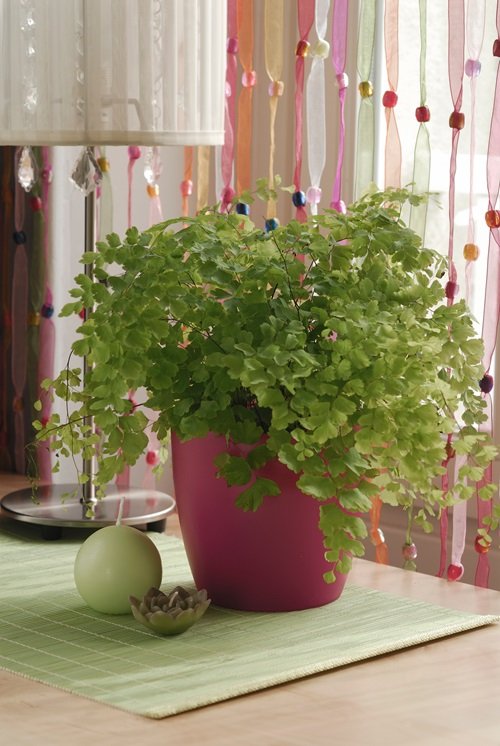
(146, 72)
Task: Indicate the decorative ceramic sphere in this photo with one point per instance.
(114, 563)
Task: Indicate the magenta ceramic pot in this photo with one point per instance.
(268, 560)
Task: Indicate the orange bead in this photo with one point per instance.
(471, 252)
(153, 190)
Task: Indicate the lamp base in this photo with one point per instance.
(58, 506)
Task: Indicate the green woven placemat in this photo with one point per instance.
(47, 633)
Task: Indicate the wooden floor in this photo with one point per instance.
(444, 693)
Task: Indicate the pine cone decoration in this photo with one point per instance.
(172, 613)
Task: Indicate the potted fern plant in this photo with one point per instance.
(301, 372)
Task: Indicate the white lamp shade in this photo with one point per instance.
(115, 72)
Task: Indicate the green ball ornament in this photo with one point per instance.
(114, 563)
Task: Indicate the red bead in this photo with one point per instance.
(422, 114)
(457, 120)
(232, 45)
(455, 572)
(152, 458)
(496, 48)
(81, 313)
(390, 99)
(486, 383)
(451, 290)
(36, 204)
(481, 548)
(302, 49)
(492, 218)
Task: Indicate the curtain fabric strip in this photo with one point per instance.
(203, 172)
(316, 106)
(244, 123)
(227, 150)
(339, 55)
(273, 48)
(392, 143)
(422, 153)
(305, 15)
(456, 43)
(366, 117)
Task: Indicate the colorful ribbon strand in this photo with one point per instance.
(422, 153)
(248, 80)
(305, 10)
(339, 54)
(316, 106)
(365, 142)
(273, 47)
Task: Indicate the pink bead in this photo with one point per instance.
(228, 90)
(134, 152)
(186, 188)
(249, 79)
(232, 45)
(313, 195)
(47, 174)
(276, 88)
(390, 99)
(410, 551)
(472, 68)
(422, 114)
(339, 206)
(455, 572)
(342, 80)
(152, 458)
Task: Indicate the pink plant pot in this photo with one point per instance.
(268, 560)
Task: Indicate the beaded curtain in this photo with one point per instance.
(332, 96)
